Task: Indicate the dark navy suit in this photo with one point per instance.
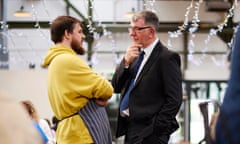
(228, 123)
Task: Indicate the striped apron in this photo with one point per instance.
(96, 119)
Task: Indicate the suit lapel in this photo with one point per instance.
(153, 58)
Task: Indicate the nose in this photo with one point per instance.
(83, 36)
(131, 32)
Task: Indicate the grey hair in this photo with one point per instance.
(149, 17)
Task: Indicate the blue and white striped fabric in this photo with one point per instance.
(96, 119)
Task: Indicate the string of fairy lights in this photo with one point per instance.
(94, 59)
(192, 29)
(189, 24)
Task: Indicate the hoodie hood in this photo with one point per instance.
(55, 51)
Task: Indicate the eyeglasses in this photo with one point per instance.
(137, 29)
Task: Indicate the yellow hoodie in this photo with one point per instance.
(71, 83)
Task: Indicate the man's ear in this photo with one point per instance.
(67, 35)
(151, 33)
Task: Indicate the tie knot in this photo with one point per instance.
(142, 53)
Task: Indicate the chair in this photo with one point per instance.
(208, 130)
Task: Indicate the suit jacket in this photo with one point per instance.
(155, 98)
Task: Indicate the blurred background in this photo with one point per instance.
(201, 31)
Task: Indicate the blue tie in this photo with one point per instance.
(124, 103)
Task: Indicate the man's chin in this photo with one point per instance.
(80, 51)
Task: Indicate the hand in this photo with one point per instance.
(101, 102)
(132, 53)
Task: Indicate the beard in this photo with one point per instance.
(76, 46)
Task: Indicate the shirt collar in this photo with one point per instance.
(148, 50)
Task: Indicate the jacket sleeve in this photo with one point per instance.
(172, 81)
(121, 77)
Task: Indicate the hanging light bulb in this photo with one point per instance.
(130, 14)
(21, 12)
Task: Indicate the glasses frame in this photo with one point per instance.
(137, 29)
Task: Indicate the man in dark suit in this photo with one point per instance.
(155, 93)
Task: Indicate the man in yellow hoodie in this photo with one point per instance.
(75, 91)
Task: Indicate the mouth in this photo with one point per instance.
(134, 38)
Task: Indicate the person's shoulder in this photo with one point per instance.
(165, 49)
(169, 52)
(169, 55)
(68, 59)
